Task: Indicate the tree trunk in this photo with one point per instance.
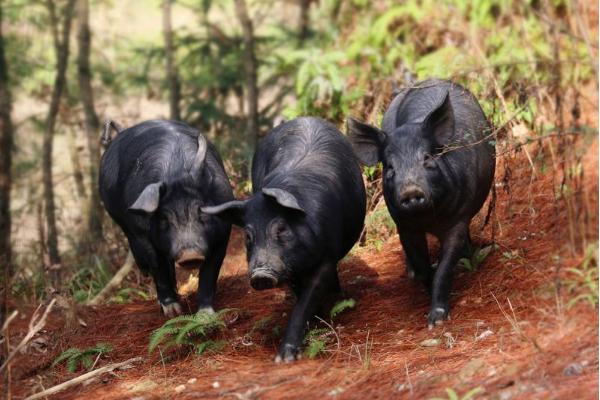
(92, 123)
(62, 56)
(172, 77)
(304, 21)
(250, 69)
(76, 162)
(6, 145)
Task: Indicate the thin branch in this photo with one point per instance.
(9, 320)
(114, 282)
(35, 325)
(333, 329)
(83, 378)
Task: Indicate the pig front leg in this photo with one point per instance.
(418, 264)
(209, 273)
(165, 282)
(309, 298)
(147, 259)
(453, 244)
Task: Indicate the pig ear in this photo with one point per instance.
(149, 199)
(440, 122)
(232, 211)
(283, 198)
(366, 140)
(200, 155)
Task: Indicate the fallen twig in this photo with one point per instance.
(35, 325)
(83, 378)
(114, 282)
(337, 337)
(9, 320)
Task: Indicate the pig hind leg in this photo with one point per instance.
(209, 273)
(147, 259)
(418, 264)
(453, 244)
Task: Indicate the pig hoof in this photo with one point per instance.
(171, 310)
(205, 309)
(436, 317)
(288, 354)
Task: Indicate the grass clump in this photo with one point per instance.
(584, 279)
(190, 332)
(86, 358)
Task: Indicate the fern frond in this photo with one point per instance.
(65, 355)
(342, 306)
(72, 364)
(186, 330)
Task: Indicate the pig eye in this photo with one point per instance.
(163, 222)
(389, 172)
(429, 162)
(204, 218)
(281, 231)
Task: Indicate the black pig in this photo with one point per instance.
(154, 179)
(438, 166)
(305, 214)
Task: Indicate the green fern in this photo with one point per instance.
(189, 331)
(341, 306)
(478, 256)
(316, 341)
(315, 347)
(453, 395)
(75, 357)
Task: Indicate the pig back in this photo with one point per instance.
(310, 158)
(156, 151)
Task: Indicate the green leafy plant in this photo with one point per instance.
(341, 306)
(128, 294)
(316, 340)
(191, 332)
(75, 357)
(379, 227)
(478, 256)
(89, 280)
(585, 279)
(453, 395)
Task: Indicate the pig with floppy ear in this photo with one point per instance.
(154, 179)
(428, 189)
(234, 211)
(304, 216)
(149, 199)
(369, 141)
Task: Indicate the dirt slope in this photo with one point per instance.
(539, 348)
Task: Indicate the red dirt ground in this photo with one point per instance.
(380, 353)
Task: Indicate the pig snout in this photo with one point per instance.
(262, 279)
(413, 198)
(189, 259)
